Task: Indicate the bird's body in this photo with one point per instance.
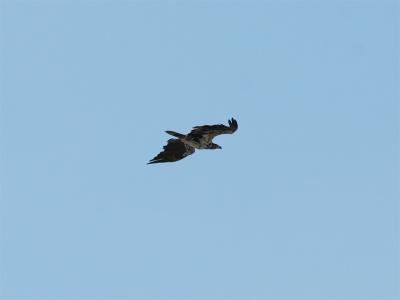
(196, 141)
(199, 138)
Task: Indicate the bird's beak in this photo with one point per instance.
(219, 147)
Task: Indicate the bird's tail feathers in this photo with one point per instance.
(175, 134)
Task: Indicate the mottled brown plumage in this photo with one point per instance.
(199, 138)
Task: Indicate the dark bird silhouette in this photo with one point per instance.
(199, 138)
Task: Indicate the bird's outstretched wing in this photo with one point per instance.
(214, 130)
(174, 150)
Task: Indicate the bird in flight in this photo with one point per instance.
(199, 138)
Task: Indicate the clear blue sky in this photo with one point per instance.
(302, 202)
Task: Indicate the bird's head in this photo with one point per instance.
(215, 146)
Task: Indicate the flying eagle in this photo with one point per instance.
(199, 138)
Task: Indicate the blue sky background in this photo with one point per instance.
(302, 202)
